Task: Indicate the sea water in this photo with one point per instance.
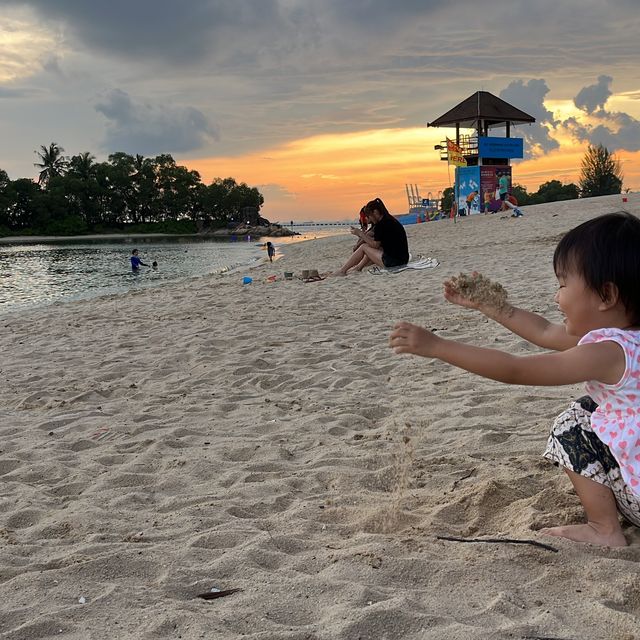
(35, 275)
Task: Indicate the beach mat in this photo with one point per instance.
(418, 263)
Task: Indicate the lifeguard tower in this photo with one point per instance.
(480, 157)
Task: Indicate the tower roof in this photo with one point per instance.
(482, 105)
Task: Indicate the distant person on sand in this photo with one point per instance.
(154, 265)
(503, 189)
(487, 201)
(597, 439)
(271, 251)
(387, 247)
(136, 262)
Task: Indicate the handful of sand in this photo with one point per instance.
(479, 289)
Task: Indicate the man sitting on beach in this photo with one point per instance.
(387, 247)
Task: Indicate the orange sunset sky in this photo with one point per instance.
(330, 176)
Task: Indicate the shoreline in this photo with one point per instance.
(94, 236)
(10, 308)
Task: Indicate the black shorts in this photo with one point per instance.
(503, 196)
(391, 261)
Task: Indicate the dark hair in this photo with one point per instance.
(605, 249)
(376, 205)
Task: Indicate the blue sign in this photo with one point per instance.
(500, 147)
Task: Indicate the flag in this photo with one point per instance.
(455, 155)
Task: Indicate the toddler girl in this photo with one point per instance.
(597, 439)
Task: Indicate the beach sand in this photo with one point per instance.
(207, 434)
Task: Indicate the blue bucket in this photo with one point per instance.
(247, 280)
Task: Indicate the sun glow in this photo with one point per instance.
(23, 46)
(331, 176)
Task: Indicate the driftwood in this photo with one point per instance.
(533, 543)
(212, 595)
(543, 638)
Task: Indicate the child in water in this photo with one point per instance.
(597, 439)
(271, 251)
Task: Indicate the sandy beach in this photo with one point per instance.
(159, 444)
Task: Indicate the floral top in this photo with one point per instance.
(616, 421)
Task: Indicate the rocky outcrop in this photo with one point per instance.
(255, 231)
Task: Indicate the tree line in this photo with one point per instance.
(600, 175)
(75, 195)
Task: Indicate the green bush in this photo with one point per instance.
(168, 226)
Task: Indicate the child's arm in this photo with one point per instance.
(526, 324)
(603, 361)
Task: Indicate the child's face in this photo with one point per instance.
(580, 305)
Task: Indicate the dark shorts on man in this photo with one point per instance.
(503, 196)
(390, 261)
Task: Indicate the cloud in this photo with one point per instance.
(273, 191)
(22, 47)
(594, 96)
(529, 97)
(149, 129)
(163, 29)
(51, 64)
(6, 92)
(612, 129)
(321, 176)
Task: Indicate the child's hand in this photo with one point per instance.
(410, 338)
(477, 292)
(453, 295)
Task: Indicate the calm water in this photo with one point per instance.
(34, 275)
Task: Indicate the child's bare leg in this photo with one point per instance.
(603, 526)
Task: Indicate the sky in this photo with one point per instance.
(322, 105)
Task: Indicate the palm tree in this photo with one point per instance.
(52, 164)
(82, 165)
